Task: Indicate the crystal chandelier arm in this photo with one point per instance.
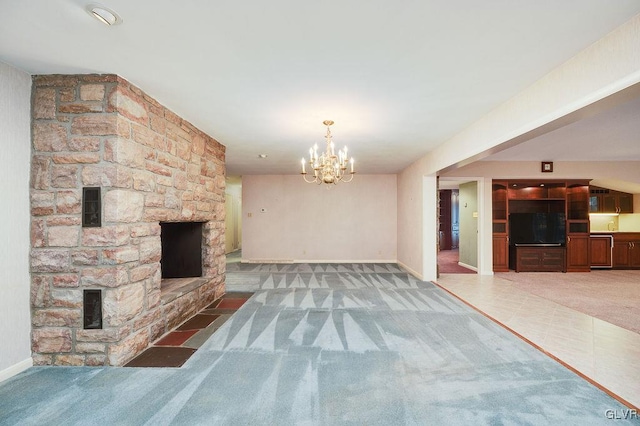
(304, 176)
(350, 179)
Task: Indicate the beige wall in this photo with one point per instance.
(628, 171)
(410, 206)
(355, 221)
(233, 217)
(469, 224)
(15, 320)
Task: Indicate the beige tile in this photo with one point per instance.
(605, 353)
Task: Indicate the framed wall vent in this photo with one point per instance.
(92, 309)
(91, 207)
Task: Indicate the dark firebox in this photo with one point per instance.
(181, 249)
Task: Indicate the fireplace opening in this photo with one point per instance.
(181, 249)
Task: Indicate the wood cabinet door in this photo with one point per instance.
(595, 203)
(578, 253)
(500, 253)
(577, 200)
(634, 254)
(625, 203)
(609, 203)
(620, 253)
(600, 252)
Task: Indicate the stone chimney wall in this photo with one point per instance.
(151, 166)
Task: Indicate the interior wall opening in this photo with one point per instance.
(233, 219)
(457, 226)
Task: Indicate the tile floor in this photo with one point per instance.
(176, 347)
(606, 354)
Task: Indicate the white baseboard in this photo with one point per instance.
(464, 265)
(15, 369)
(289, 261)
(411, 271)
(345, 261)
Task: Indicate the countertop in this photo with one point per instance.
(614, 232)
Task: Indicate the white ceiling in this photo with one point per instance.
(612, 135)
(398, 78)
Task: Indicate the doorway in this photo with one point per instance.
(449, 217)
(233, 217)
(457, 227)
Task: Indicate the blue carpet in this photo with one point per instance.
(368, 354)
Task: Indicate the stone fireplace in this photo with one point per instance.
(113, 170)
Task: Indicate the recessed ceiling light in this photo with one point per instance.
(103, 14)
(262, 155)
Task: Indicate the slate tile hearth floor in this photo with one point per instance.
(177, 346)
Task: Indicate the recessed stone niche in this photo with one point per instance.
(152, 167)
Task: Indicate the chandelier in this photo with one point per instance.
(328, 168)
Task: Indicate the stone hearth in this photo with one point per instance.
(151, 166)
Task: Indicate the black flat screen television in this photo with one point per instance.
(537, 228)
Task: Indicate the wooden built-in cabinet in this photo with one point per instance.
(626, 250)
(500, 227)
(600, 251)
(578, 227)
(445, 219)
(548, 196)
(625, 203)
(603, 200)
(578, 253)
(538, 259)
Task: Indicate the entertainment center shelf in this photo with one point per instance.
(558, 213)
(544, 205)
(537, 190)
(537, 259)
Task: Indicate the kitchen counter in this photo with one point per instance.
(614, 232)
